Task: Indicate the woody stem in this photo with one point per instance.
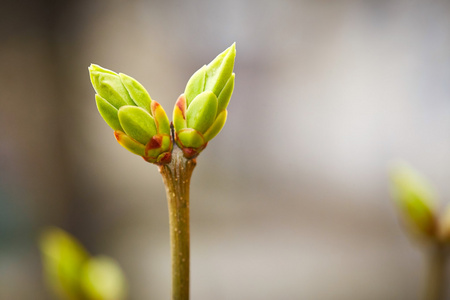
(177, 177)
(437, 258)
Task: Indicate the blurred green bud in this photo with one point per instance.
(201, 112)
(415, 198)
(73, 275)
(140, 124)
(102, 279)
(62, 257)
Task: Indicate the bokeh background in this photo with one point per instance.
(290, 201)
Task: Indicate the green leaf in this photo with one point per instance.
(137, 123)
(219, 70)
(109, 86)
(225, 95)
(137, 92)
(108, 112)
(202, 111)
(195, 85)
(216, 127)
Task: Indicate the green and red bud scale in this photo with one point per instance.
(141, 125)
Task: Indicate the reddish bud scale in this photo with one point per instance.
(156, 143)
(189, 152)
(164, 158)
(117, 135)
(153, 107)
(181, 104)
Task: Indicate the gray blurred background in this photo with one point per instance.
(290, 201)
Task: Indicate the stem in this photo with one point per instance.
(177, 177)
(437, 258)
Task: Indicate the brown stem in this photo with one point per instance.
(436, 281)
(177, 177)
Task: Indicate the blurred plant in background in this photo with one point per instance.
(73, 274)
(419, 208)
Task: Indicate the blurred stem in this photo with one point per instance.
(436, 281)
(177, 177)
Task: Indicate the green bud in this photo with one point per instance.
(212, 77)
(62, 257)
(202, 107)
(139, 123)
(415, 199)
(102, 279)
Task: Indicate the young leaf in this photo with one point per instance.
(225, 95)
(219, 70)
(108, 85)
(216, 127)
(108, 112)
(195, 85)
(137, 123)
(202, 111)
(137, 92)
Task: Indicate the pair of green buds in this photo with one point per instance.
(141, 125)
(419, 205)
